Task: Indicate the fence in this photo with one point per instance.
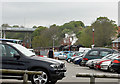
(22, 72)
(93, 76)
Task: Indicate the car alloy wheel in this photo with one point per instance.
(40, 79)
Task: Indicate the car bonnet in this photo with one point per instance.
(47, 59)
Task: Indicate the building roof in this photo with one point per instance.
(117, 40)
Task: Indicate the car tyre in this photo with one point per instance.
(80, 63)
(108, 69)
(68, 61)
(111, 70)
(40, 79)
(118, 72)
(91, 67)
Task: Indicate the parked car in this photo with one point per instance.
(104, 65)
(72, 59)
(115, 65)
(17, 57)
(76, 55)
(68, 56)
(97, 53)
(56, 54)
(91, 63)
(61, 55)
(96, 63)
(66, 52)
(77, 60)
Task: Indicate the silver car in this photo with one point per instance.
(105, 65)
(62, 56)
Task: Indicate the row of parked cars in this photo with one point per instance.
(110, 62)
(67, 55)
(98, 58)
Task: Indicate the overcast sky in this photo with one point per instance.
(44, 13)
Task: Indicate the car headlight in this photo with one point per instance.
(54, 66)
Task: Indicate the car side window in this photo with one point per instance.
(8, 51)
(93, 53)
(2, 50)
(104, 53)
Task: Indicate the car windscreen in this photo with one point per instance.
(24, 50)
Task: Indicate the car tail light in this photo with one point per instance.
(118, 57)
(66, 57)
(73, 55)
(40, 55)
(116, 61)
(85, 59)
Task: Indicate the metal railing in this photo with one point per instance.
(25, 73)
(93, 76)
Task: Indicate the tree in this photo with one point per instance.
(38, 31)
(14, 26)
(5, 25)
(34, 26)
(104, 30)
(45, 38)
(22, 26)
(85, 37)
(72, 26)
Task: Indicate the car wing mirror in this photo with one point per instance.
(17, 56)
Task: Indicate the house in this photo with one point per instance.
(70, 39)
(116, 44)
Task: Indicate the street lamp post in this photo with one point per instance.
(93, 38)
(54, 38)
(69, 43)
(93, 35)
(53, 43)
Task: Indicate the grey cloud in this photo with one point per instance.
(46, 13)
